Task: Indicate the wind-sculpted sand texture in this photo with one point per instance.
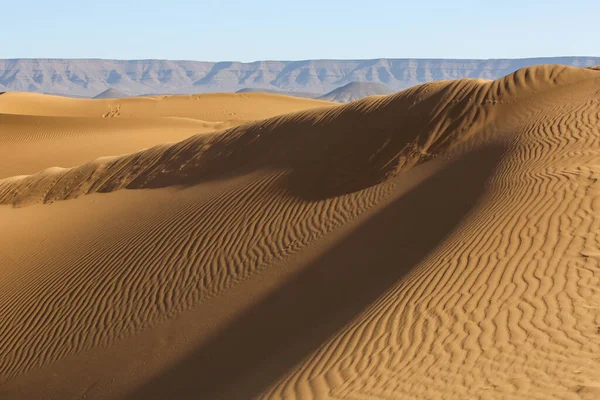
(29, 144)
(436, 243)
(39, 131)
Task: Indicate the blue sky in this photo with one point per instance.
(252, 30)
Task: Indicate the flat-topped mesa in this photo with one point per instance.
(325, 151)
(355, 91)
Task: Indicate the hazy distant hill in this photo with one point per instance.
(355, 91)
(88, 77)
(111, 94)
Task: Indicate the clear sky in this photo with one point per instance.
(240, 30)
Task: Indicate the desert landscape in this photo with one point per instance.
(305, 78)
(438, 242)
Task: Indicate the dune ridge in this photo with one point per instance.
(25, 139)
(214, 107)
(437, 116)
(227, 151)
(508, 307)
(79, 130)
(355, 91)
(436, 243)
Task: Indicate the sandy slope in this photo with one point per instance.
(40, 131)
(206, 107)
(31, 143)
(437, 243)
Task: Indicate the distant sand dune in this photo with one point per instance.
(355, 91)
(40, 131)
(436, 243)
(31, 143)
(305, 142)
(214, 107)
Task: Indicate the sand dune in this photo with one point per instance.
(436, 243)
(40, 131)
(31, 143)
(207, 107)
(308, 95)
(355, 91)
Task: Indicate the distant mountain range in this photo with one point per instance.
(90, 77)
(307, 95)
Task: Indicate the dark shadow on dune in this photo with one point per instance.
(334, 151)
(259, 347)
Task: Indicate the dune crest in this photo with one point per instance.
(388, 135)
(79, 130)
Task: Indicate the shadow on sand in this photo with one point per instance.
(260, 346)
